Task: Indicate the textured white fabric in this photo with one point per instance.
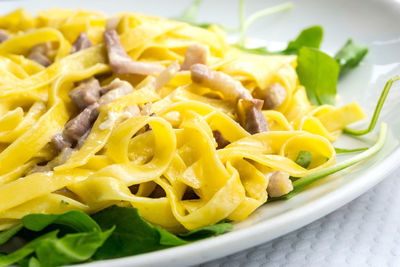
(365, 232)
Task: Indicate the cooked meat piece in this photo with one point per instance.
(81, 43)
(221, 141)
(86, 93)
(3, 36)
(60, 142)
(166, 76)
(120, 61)
(78, 128)
(39, 53)
(195, 54)
(249, 109)
(231, 89)
(251, 117)
(273, 96)
(279, 184)
(59, 160)
(114, 90)
(79, 125)
(82, 139)
(112, 23)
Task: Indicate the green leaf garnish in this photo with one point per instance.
(52, 250)
(309, 37)
(25, 250)
(8, 234)
(318, 72)
(305, 181)
(304, 159)
(207, 231)
(75, 219)
(70, 248)
(133, 235)
(111, 233)
(377, 110)
(350, 55)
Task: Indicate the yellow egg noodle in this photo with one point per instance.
(166, 162)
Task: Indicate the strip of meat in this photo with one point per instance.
(3, 36)
(195, 54)
(120, 61)
(81, 43)
(39, 53)
(60, 159)
(231, 89)
(274, 95)
(279, 184)
(114, 90)
(221, 141)
(249, 110)
(86, 93)
(251, 116)
(79, 125)
(60, 142)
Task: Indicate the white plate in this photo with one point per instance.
(372, 22)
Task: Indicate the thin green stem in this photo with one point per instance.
(189, 15)
(345, 150)
(242, 15)
(305, 181)
(245, 24)
(377, 111)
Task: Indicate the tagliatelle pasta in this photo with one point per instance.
(173, 145)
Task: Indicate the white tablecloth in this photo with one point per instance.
(365, 232)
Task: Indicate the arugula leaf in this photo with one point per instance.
(305, 181)
(377, 110)
(304, 159)
(309, 37)
(75, 219)
(207, 231)
(26, 250)
(132, 235)
(54, 251)
(33, 262)
(350, 55)
(71, 248)
(29, 262)
(318, 72)
(49, 248)
(8, 234)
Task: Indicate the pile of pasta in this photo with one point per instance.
(120, 163)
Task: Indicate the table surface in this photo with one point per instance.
(365, 232)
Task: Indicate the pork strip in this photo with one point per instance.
(120, 61)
